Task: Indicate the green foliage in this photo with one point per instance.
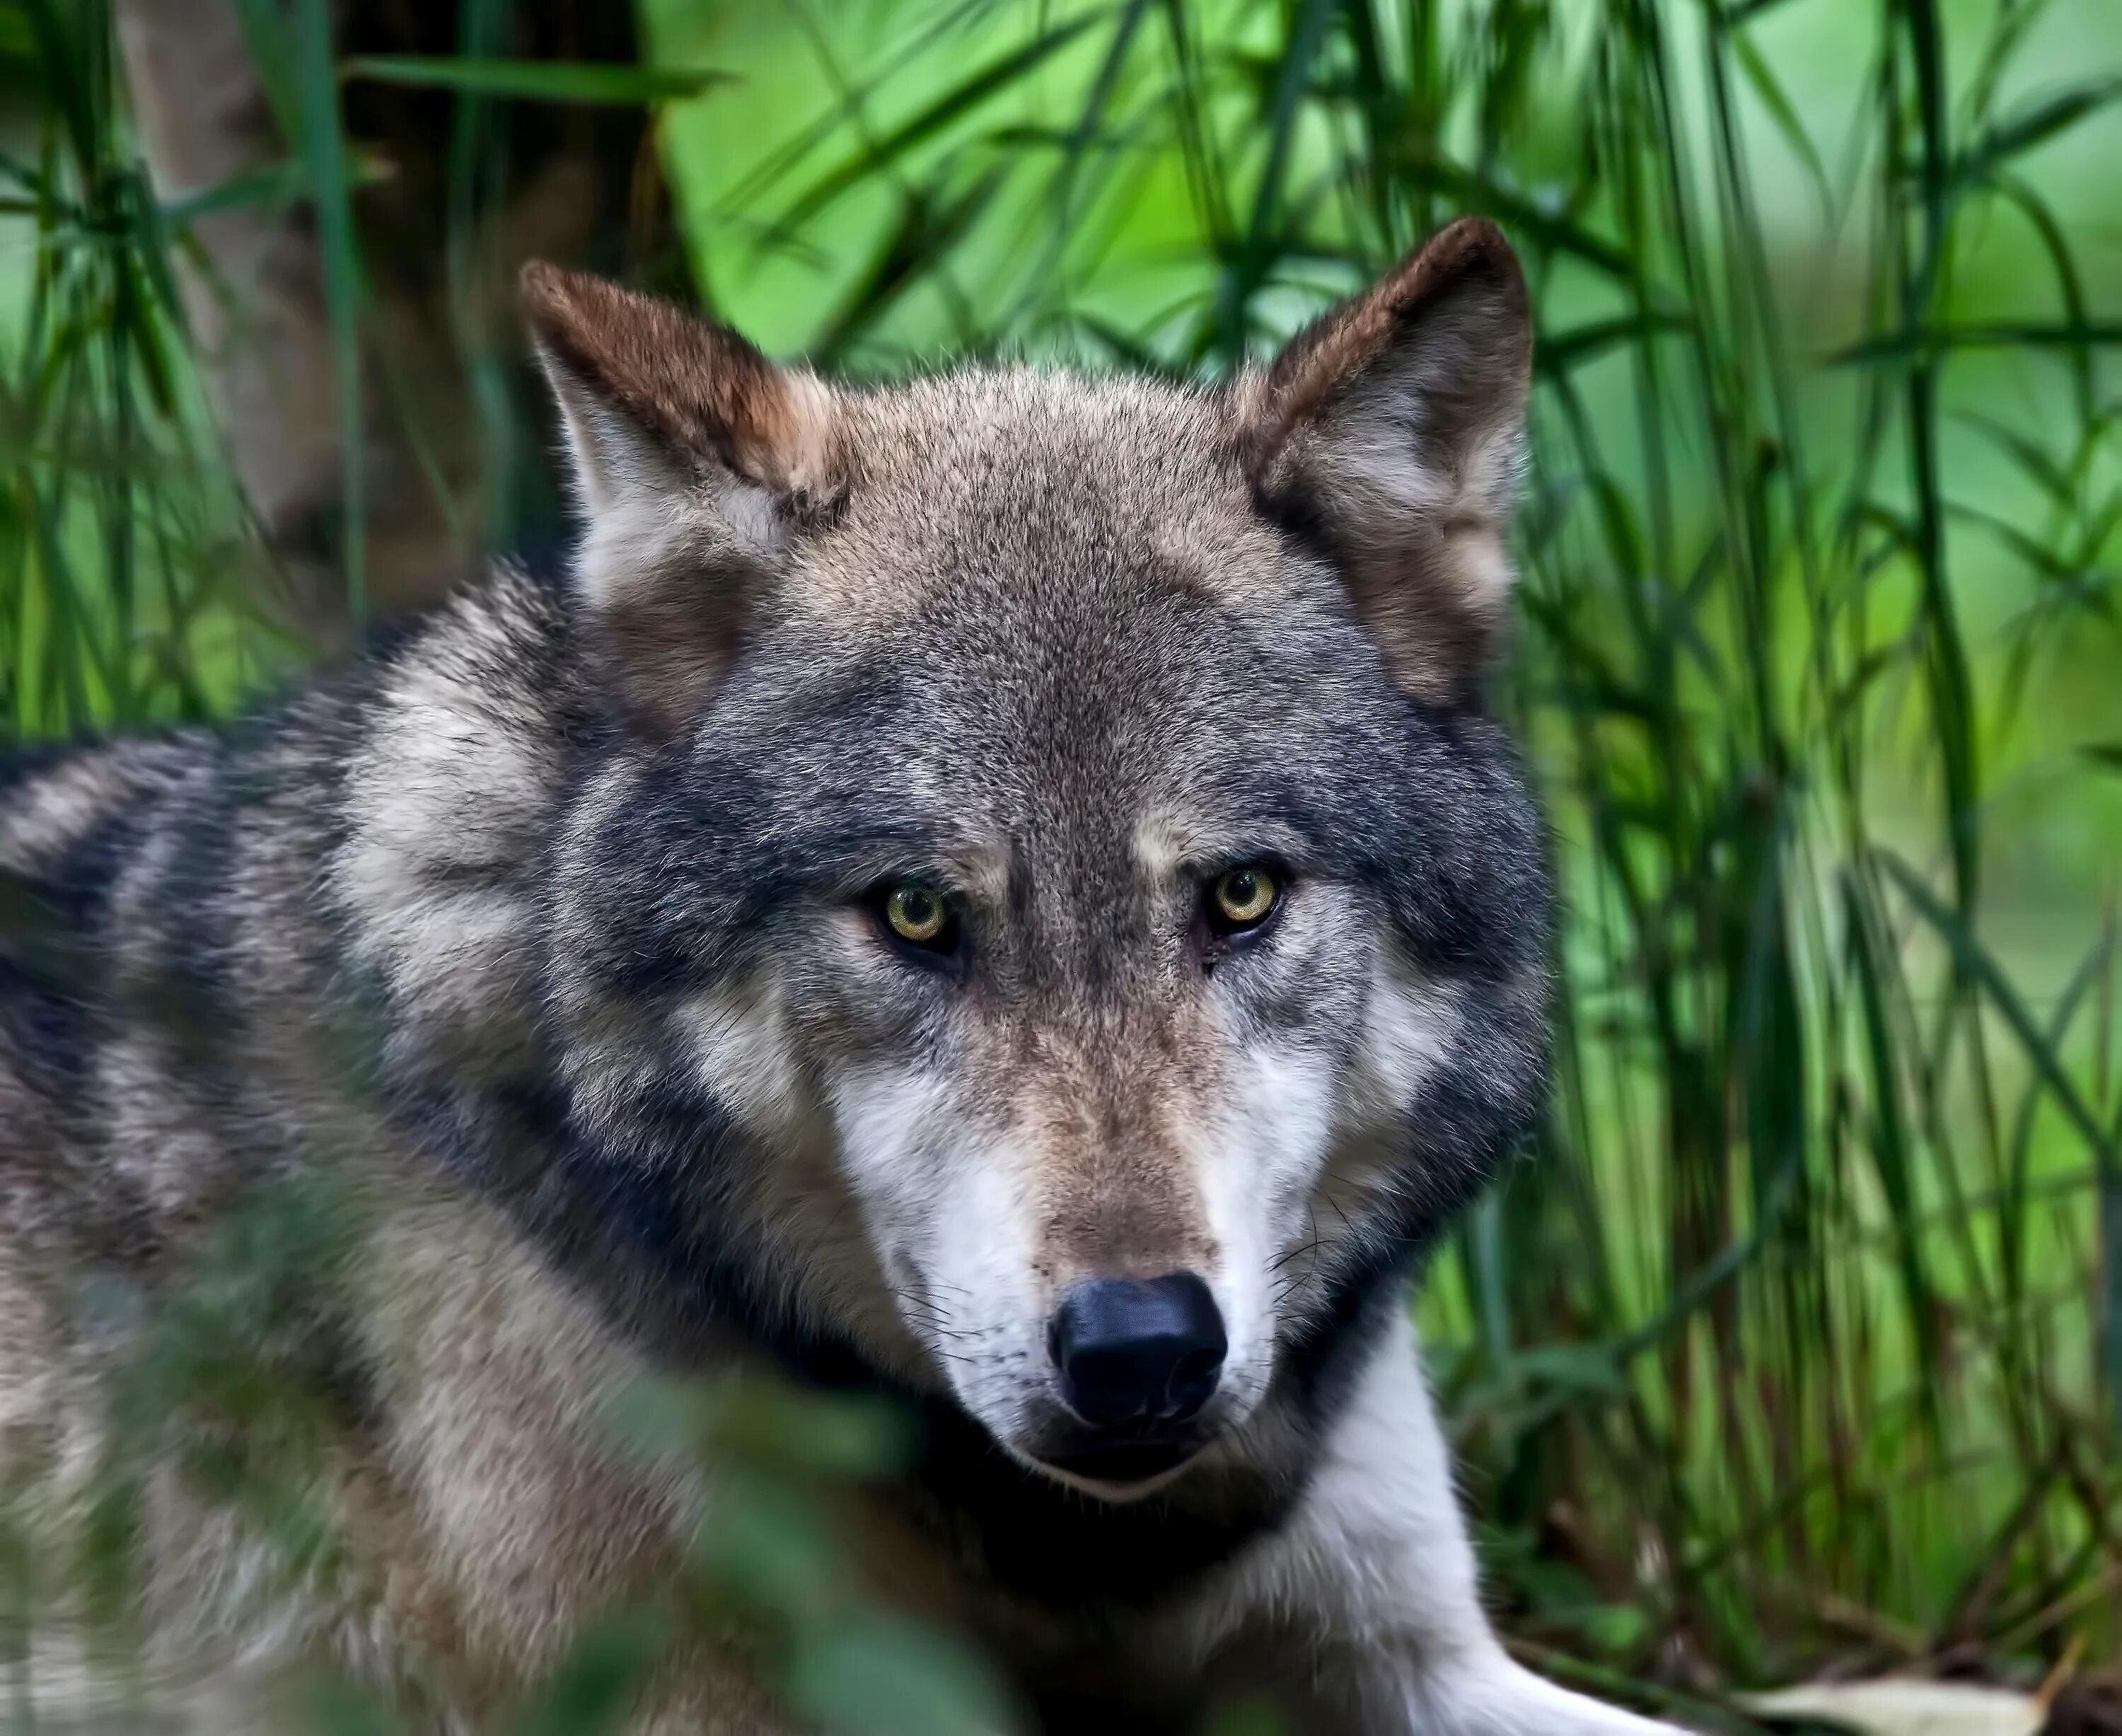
(117, 530)
(532, 81)
(1802, 1334)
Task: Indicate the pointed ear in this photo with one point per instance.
(694, 461)
(1394, 425)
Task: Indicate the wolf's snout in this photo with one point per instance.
(1128, 1350)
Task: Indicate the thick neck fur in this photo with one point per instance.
(334, 930)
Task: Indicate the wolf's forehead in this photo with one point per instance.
(1015, 487)
(1114, 734)
(1069, 616)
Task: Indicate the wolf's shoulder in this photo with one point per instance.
(192, 851)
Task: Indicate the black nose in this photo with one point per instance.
(1126, 1350)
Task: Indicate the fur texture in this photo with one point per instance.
(550, 939)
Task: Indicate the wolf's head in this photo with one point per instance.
(1048, 889)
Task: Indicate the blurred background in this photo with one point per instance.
(1796, 1346)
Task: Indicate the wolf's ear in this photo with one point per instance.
(1394, 424)
(694, 461)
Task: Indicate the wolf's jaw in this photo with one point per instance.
(1110, 1492)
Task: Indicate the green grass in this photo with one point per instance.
(123, 575)
(1799, 1339)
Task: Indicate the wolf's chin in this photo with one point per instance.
(1117, 1475)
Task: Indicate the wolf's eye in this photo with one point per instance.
(917, 914)
(1242, 899)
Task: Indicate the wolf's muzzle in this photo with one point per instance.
(1138, 1353)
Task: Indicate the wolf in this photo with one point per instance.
(1000, 890)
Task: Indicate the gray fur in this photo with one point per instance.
(545, 940)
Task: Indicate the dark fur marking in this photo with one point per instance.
(45, 1031)
(74, 897)
(194, 991)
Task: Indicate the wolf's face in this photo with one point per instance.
(1053, 839)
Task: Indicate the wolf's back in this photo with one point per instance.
(186, 985)
(194, 1011)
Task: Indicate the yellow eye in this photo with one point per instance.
(917, 913)
(1243, 898)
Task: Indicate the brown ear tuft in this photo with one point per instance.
(703, 394)
(1469, 257)
(696, 462)
(1395, 422)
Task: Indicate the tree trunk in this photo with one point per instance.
(462, 191)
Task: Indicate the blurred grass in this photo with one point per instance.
(122, 574)
(1801, 1339)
